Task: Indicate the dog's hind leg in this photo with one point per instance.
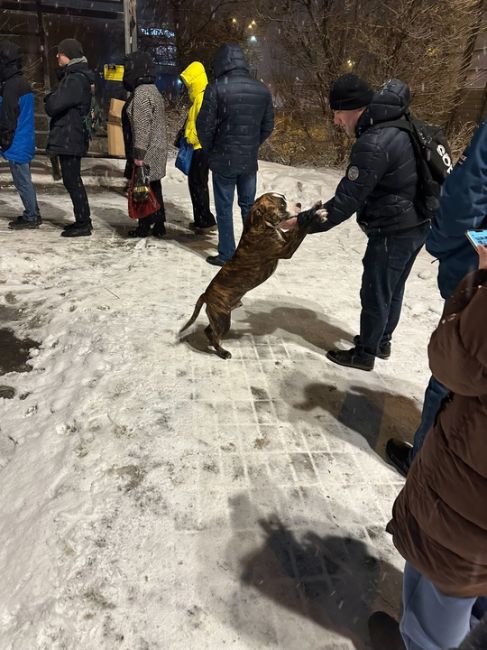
(219, 326)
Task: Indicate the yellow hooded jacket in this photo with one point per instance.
(195, 79)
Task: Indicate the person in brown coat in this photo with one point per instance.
(439, 522)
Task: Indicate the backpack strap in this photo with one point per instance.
(404, 125)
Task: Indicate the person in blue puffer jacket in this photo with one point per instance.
(17, 135)
(463, 206)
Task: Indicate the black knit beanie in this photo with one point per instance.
(71, 48)
(139, 68)
(349, 92)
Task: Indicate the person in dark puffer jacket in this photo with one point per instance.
(235, 118)
(68, 139)
(380, 185)
(17, 134)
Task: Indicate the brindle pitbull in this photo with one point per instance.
(260, 248)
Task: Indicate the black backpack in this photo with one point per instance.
(92, 119)
(433, 160)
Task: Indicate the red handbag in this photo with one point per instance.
(142, 201)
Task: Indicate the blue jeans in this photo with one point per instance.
(431, 620)
(387, 262)
(433, 399)
(224, 190)
(22, 179)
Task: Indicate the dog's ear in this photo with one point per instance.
(256, 214)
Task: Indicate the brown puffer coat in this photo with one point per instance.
(440, 517)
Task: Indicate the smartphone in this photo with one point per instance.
(477, 237)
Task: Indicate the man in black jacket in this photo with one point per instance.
(68, 107)
(380, 185)
(235, 118)
(17, 135)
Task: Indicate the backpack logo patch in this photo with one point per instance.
(445, 156)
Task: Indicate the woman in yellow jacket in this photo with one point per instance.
(195, 80)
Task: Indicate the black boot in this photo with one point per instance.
(398, 453)
(138, 233)
(384, 351)
(353, 358)
(384, 632)
(78, 230)
(159, 230)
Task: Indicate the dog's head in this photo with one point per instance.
(270, 209)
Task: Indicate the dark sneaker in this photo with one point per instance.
(21, 224)
(77, 231)
(202, 227)
(384, 351)
(384, 632)
(22, 218)
(216, 260)
(208, 227)
(352, 358)
(398, 453)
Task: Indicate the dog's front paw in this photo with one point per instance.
(321, 215)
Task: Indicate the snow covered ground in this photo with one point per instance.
(154, 496)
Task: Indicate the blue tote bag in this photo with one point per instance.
(184, 157)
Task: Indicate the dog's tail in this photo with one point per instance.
(197, 309)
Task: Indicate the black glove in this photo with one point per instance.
(314, 223)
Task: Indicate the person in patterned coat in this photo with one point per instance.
(144, 125)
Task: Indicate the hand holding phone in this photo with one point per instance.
(482, 251)
(478, 239)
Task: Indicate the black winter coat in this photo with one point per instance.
(67, 106)
(236, 115)
(381, 179)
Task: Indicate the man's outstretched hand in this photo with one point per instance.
(290, 224)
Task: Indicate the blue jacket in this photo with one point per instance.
(17, 134)
(463, 206)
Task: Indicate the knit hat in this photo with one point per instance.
(349, 92)
(139, 68)
(71, 48)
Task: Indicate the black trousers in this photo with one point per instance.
(158, 218)
(71, 174)
(198, 189)
(387, 262)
